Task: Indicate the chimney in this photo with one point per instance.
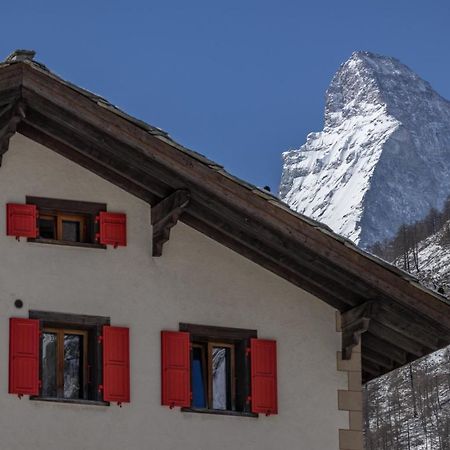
(21, 55)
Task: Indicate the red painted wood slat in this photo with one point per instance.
(264, 376)
(21, 220)
(112, 229)
(23, 356)
(116, 364)
(176, 368)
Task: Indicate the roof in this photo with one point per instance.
(400, 319)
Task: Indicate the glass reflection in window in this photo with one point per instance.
(49, 356)
(72, 365)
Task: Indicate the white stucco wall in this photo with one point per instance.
(196, 280)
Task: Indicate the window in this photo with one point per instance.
(64, 363)
(213, 376)
(66, 221)
(70, 355)
(218, 370)
(69, 358)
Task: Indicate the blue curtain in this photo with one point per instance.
(198, 385)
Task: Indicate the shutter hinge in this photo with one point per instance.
(249, 399)
(100, 339)
(247, 351)
(100, 387)
(39, 384)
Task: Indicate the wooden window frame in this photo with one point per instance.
(71, 324)
(78, 211)
(61, 217)
(60, 333)
(238, 340)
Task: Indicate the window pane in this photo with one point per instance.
(71, 231)
(198, 382)
(49, 365)
(73, 345)
(47, 228)
(220, 383)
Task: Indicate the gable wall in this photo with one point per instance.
(196, 280)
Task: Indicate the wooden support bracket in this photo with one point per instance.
(165, 215)
(354, 323)
(10, 117)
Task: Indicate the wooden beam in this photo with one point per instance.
(369, 341)
(389, 335)
(392, 322)
(354, 323)
(10, 117)
(97, 155)
(370, 369)
(379, 359)
(411, 325)
(351, 335)
(73, 155)
(367, 309)
(165, 215)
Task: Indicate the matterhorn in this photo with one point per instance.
(382, 158)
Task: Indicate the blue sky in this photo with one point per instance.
(239, 81)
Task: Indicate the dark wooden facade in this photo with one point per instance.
(397, 319)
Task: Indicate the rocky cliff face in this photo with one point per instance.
(382, 158)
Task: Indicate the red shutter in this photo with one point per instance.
(21, 220)
(176, 369)
(23, 356)
(116, 364)
(264, 376)
(113, 229)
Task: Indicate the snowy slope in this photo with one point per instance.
(383, 157)
(410, 408)
(433, 256)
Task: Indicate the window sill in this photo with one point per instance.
(67, 243)
(219, 412)
(77, 401)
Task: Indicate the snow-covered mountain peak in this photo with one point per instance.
(381, 157)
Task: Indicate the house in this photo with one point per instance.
(137, 273)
